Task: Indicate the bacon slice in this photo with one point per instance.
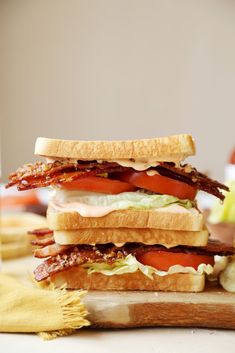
(194, 178)
(43, 237)
(44, 241)
(44, 174)
(51, 250)
(213, 247)
(216, 247)
(78, 255)
(41, 232)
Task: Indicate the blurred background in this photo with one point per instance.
(108, 69)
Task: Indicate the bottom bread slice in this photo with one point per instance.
(77, 277)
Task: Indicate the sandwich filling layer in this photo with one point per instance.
(110, 177)
(109, 259)
(91, 204)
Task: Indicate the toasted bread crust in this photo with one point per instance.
(76, 278)
(149, 236)
(172, 148)
(158, 218)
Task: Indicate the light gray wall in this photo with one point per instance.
(105, 69)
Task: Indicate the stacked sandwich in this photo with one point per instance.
(123, 215)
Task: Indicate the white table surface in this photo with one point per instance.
(151, 340)
(141, 340)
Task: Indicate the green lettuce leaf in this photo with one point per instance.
(130, 265)
(224, 212)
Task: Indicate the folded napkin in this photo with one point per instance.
(48, 312)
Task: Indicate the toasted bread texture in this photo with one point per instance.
(150, 236)
(77, 277)
(169, 218)
(170, 149)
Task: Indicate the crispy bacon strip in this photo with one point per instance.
(216, 247)
(77, 255)
(108, 253)
(42, 174)
(194, 178)
(46, 169)
(41, 232)
(51, 250)
(44, 241)
(43, 237)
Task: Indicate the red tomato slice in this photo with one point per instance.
(160, 184)
(163, 260)
(98, 184)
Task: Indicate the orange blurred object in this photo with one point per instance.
(13, 201)
(232, 157)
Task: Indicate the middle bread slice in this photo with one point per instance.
(172, 217)
(120, 236)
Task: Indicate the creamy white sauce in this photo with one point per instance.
(137, 164)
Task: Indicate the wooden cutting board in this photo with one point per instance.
(214, 308)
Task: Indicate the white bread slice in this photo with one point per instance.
(77, 277)
(169, 149)
(150, 236)
(173, 217)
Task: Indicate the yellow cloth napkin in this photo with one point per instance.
(50, 312)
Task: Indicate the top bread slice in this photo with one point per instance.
(169, 149)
